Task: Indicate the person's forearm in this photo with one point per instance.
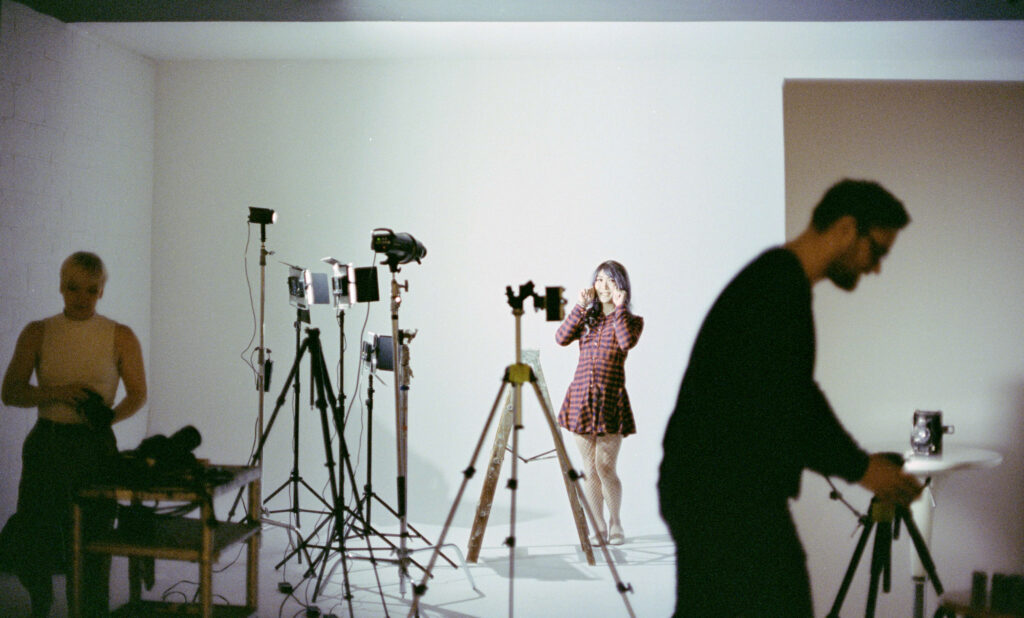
(128, 406)
(26, 395)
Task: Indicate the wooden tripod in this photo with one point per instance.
(497, 459)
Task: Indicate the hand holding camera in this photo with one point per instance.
(95, 411)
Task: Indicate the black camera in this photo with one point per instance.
(160, 456)
(96, 412)
(400, 248)
(926, 434)
(552, 302)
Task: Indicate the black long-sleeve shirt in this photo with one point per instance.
(749, 416)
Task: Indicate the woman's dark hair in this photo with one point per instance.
(866, 201)
(617, 273)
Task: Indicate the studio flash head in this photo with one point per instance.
(350, 285)
(926, 434)
(262, 216)
(399, 248)
(306, 288)
(377, 352)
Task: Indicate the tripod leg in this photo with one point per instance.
(844, 588)
(879, 564)
(571, 488)
(575, 476)
(493, 473)
(513, 485)
(257, 455)
(421, 589)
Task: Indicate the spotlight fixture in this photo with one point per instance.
(400, 248)
(263, 216)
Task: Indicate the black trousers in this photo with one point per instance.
(737, 560)
(57, 460)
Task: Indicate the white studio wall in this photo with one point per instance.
(508, 169)
(940, 328)
(76, 172)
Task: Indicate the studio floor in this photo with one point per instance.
(551, 578)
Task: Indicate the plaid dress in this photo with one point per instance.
(596, 402)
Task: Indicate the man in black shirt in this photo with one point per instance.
(750, 417)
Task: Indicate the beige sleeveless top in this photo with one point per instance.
(77, 351)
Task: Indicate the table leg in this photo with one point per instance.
(921, 509)
(252, 566)
(135, 570)
(76, 559)
(206, 561)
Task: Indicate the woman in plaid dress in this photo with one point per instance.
(596, 407)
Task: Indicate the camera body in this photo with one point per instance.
(96, 412)
(926, 433)
(552, 302)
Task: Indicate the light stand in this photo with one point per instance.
(264, 217)
(403, 375)
(376, 361)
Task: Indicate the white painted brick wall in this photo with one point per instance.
(76, 172)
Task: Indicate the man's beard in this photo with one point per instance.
(842, 277)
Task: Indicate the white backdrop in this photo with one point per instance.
(507, 172)
(535, 167)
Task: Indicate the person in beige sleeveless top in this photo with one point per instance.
(71, 354)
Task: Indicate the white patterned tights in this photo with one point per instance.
(601, 484)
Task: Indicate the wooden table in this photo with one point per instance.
(191, 539)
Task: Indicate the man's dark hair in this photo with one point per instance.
(866, 201)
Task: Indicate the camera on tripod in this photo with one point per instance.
(552, 302)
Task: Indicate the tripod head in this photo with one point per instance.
(552, 301)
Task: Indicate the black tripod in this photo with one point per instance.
(324, 398)
(887, 516)
(295, 479)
